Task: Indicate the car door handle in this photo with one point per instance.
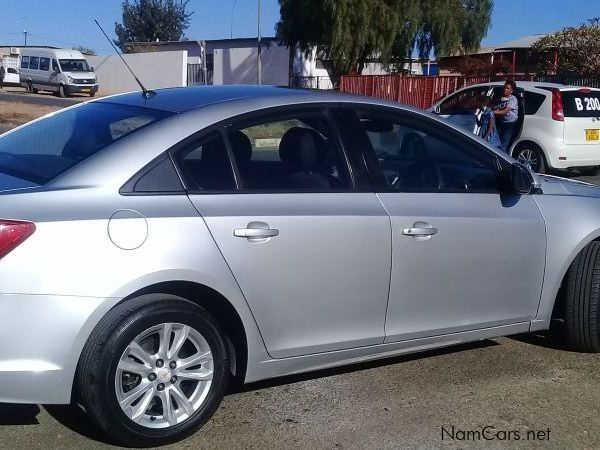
(256, 231)
(420, 231)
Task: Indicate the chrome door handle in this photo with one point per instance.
(420, 231)
(256, 231)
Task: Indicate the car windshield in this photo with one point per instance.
(74, 65)
(44, 149)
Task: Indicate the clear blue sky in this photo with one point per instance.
(70, 22)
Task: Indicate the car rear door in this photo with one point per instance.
(465, 257)
(311, 252)
(582, 116)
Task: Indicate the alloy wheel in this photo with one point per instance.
(164, 375)
(529, 158)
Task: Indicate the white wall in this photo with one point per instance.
(155, 70)
(238, 65)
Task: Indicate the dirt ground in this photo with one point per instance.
(17, 113)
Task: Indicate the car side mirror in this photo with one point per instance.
(92, 69)
(521, 178)
(437, 109)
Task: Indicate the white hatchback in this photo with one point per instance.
(558, 127)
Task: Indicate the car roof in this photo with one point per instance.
(181, 99)
(530, 85)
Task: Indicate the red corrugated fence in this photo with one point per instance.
(416, 90)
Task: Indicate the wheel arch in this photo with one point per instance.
(559, 305)
(525, 142)
(218, 306)
(208, 298)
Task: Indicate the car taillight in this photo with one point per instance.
(557, 106)
(13, 233)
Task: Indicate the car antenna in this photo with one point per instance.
(145, 92)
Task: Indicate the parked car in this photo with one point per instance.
(558, 128)
(155, 247)
(11, 72)
(61, 71)
(11, 77)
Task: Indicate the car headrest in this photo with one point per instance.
(214, 152)
(299, 148)
(241, 146)
(413, 147)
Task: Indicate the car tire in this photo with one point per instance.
(92, 94)
(531, 156)
(127, 337)
(583, 300)
(61, 91)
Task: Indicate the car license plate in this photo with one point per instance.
(88, 90)
(592, 135)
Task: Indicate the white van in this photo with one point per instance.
(61, 71)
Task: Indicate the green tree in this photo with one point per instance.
(453, 26)
(152, 20)
(578, 49)
(352, 32)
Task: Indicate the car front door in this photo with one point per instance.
(465, 257)
(311, 254)
(459, 109)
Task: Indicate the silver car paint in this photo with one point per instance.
(289, 282)
(472, 274)
(62, 280)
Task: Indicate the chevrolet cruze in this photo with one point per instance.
(156, 247)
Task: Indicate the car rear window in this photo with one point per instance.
(533, 102)
(44, 149)
(581, 103)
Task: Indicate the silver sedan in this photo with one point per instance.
(154, 248)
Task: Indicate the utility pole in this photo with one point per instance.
(259, 63)
(231, 29)
(25, 33)
(204, 71)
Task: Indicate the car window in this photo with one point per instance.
(298, 153)
(55, 66)
(44, 63)
(464, 102)
(42, 150)
(34, 62)
(25, 62)
(414, 156)
(205, 164)
(533, 101)
(74, 65)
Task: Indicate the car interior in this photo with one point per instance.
(290, 155)
(414, 160)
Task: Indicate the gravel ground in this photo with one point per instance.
(526, 384)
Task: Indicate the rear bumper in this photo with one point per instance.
(41, 338)
(574, 156)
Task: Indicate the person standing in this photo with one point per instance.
(2, 72)
(487, 123)
(507, 114)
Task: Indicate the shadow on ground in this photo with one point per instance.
(77, 421)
